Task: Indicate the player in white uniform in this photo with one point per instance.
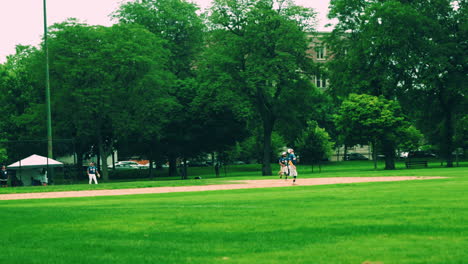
(292, 160)
(283, 162)
(92, 172)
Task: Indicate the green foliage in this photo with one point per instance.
(410, 139)
(461, 132)
(250, 149)
(316, 105)
(22, 102)
(314, 144)
(365, 118)
(411, 50)
(3, 154)
(107, 80)
(258, 50)
(175, 21)
(183, 132)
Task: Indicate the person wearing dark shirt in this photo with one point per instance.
(92, 172)
(283, 162)
(4, 177)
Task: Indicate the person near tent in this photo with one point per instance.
(92, 172)
(40, 178)
(4, 177)
(44, 179)
(32, 170)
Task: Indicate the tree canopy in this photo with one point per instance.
(414, 51)
(364, 119)
(258, 49)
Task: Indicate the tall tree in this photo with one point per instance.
(260, 48)
(364, 118)
(411, 50)
(22, 103)
(98, 74)
(177, 22)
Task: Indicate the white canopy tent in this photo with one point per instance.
(32, 168)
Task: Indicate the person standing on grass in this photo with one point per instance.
(4, 177)
(92, 172)
(292, 159)
(283, 162)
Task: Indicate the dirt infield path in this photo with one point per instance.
(248, 184)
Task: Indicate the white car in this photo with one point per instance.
(126, 165)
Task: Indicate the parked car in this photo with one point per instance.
(197, 164)
(355, 156)
(128, 165)
(421, 154)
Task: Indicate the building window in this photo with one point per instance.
(320, 82)
(320, 51)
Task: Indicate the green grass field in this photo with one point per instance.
(251, 171)
(392, 222)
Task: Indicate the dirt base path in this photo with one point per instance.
(248, 184)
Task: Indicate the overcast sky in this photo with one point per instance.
(21, 21)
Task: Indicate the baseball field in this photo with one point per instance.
(374, 223)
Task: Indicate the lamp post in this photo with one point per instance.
(50, 171)
(49, 116)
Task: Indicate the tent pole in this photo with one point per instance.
(47, 169)
(21, 176)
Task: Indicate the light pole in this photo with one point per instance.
(49, 115)
(50, 171)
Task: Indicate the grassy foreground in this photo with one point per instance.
(380, 223)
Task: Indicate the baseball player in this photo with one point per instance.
(292, 160)
(92, 172)
(283, 162)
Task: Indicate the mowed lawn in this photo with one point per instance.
(392, 222)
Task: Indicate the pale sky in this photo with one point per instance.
(21, 21)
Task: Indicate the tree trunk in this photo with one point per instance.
(103, 153)
(183, 169)
(216, 167)
(374, 154)
(389, 152)
(447, 128)
(345, 152)
(79, 164)
(150, 169)
(266, 161)
(447, 141)
(113, 161)
(172, 166)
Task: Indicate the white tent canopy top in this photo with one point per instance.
(35, 161)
